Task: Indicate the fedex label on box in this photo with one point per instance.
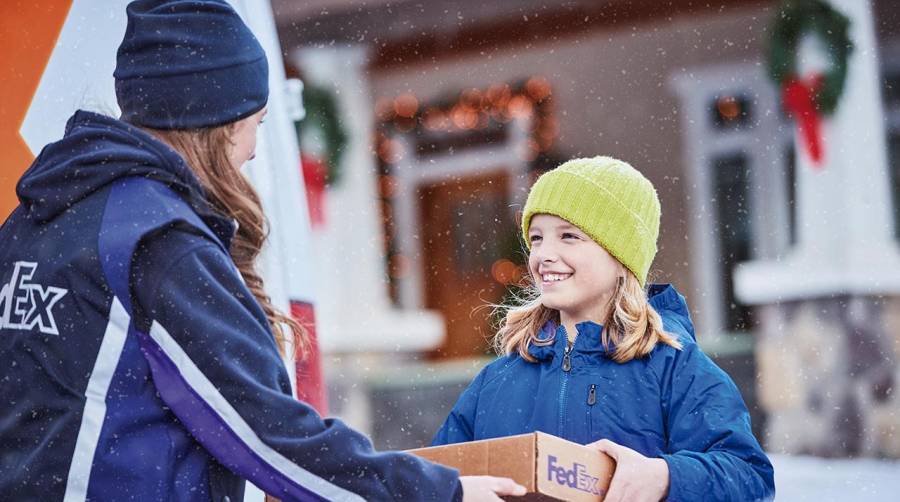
(575, 476)
(549, 467)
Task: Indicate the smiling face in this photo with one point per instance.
(243, 138)
(576, 276)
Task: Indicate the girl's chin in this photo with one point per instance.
(553, 303)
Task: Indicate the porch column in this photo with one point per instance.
(827, 344)
(354, 307)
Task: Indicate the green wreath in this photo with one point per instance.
(322, 113)
(795, 18)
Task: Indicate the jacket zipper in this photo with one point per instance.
(591, 401)
(566, 367)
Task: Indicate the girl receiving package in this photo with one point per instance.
(595, 356)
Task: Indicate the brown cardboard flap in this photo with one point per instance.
(510, 457)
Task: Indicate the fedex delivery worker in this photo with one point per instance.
(140, 355)
(595, 358)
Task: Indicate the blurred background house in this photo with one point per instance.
(427, 122)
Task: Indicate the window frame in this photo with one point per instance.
(763, 143)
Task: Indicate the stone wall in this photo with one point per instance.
(828, 376)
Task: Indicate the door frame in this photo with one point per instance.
(462, 292)
(412, 173)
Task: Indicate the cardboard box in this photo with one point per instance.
(550, 468)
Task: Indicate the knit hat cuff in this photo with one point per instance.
(195, 100)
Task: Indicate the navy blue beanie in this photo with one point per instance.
(186, 64)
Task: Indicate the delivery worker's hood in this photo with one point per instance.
(97, 150)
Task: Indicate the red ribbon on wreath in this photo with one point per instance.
(799, 98)
(315, 174)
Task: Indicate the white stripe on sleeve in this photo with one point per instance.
(230, 417)
(95, 406)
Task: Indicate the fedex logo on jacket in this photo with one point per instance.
(576, 477)
(26, 305)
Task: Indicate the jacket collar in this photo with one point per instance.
(551, 339)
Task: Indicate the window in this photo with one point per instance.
(891, 89)
(891, 93)
(731, 112)
(731, 196)
(740, 169)
(894, 172)
(789, 161)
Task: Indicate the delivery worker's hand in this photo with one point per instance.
(637, 478)
(488, 488)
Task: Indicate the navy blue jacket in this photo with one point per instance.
(674, 404)
(136, 365)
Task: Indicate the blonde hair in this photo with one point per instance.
(206, 152)
(632, 325)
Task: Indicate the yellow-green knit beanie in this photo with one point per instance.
(607, 199)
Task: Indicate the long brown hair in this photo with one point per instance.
(632, 325)
(206, 152)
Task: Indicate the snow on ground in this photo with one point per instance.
(802, 478)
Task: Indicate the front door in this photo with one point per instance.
(467, 231)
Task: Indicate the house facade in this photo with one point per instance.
(452, 108)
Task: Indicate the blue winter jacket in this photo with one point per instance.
(674, 404)
(134, 362)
